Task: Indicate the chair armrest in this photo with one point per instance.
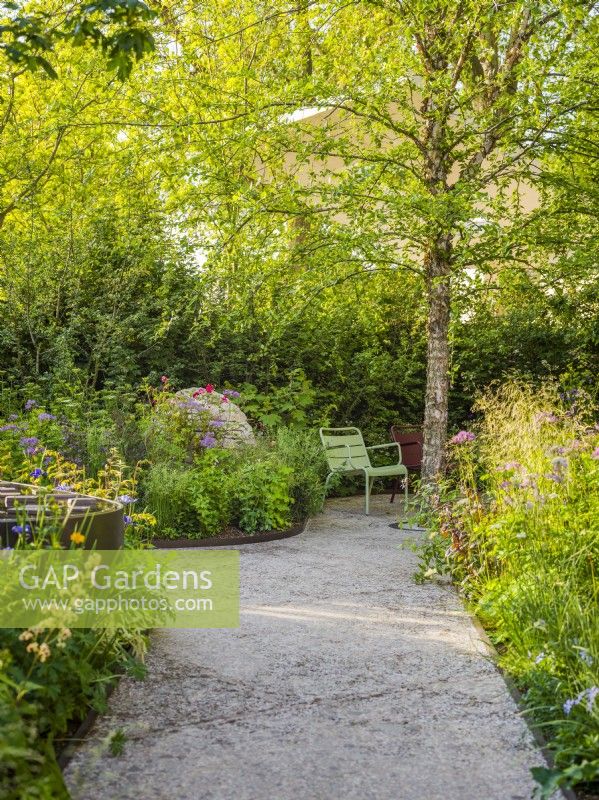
(388, 444)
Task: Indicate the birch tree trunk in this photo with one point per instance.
(437, 264)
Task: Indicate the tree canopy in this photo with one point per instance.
(395, 200)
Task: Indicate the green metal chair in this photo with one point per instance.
(346, 453)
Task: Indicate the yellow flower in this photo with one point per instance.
(77, 537)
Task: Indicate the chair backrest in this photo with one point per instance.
(337, 442)
(411, 442)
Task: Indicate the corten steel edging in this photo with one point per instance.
(232, 541)
(104, 528)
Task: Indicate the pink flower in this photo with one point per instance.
(209, 388)
(224, 399)
(462, 437)
(595, 453)
(164, 379)
(199, 392)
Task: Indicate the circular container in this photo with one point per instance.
(101, 521)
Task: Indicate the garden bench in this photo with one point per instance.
(347, 454)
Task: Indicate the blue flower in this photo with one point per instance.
(208, 441)
(586, 656)
(37, 473)
(126, 499)
(9, 427)
(43, 417)
(29, 441)
(127, 520)
(19, 529)
(63, 487)
(30, 404)
(590, 695)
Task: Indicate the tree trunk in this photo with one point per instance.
(437, 265)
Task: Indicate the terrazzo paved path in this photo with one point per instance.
(345, 681)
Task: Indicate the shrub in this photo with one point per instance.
(302, 452)
(261, 496)
(167, 491)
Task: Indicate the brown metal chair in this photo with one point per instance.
(410, 442)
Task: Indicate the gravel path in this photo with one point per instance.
(345, 681)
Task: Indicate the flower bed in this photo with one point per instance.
(187, 485)
(517, 526)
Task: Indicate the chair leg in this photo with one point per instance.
(367, 495)
(394, 489)
(326, 486)
(405, 483)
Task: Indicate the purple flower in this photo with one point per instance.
(546, 416)
(574, 701)
(13, 418)
(43, 417)
(595, 453)
(30, 404)
(511, 465)
(126, 499)
(29, 441)
(231, 393)
(462, 437)
(559, 464)
(540, 657)
(591, 696)
(9, 427)
(37, 473)
(216, 423)
(527, 482)
(556, 477)
(586, 657)
(63, 487)
(127, 520)
(20, 529)
(208, 440)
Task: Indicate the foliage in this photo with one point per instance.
(301, 452)
(262, 498)
(517, 529)
(50, 679)
(115, 27)
(246, 489)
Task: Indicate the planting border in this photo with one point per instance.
(232, 541)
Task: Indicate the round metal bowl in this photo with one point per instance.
(101, 521)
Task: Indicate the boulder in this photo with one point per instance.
(227, 423)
